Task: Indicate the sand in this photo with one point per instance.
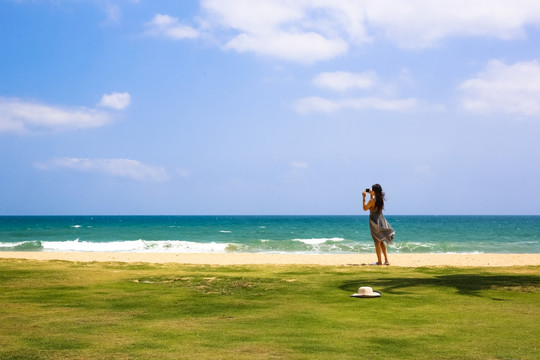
(403, 260)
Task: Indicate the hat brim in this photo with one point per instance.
(373, 295)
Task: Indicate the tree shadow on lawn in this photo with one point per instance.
(465, 284)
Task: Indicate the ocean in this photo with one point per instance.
(268, 234)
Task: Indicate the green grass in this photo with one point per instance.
(65, 310)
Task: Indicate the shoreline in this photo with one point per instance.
(400, 260)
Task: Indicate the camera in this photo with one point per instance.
(368, 190)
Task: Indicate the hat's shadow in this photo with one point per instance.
(465, 284)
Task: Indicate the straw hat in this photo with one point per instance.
(366, 292)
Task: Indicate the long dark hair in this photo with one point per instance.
(379, 197)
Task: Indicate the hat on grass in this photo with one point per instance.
(366, 292)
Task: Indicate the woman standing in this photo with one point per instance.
(380, 229)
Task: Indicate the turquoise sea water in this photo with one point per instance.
(268, 234)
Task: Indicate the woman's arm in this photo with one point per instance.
(369, 204)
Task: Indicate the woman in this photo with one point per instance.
(380, 229)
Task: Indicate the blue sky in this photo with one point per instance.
(269, 107)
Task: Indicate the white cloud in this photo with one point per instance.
(112, 10)
(114, 13)
(312, 30)
(318, 104)
(422, 23)
(132, 169)
(343, 81)
(22, 116)
(276, 28)
(170, 27)
(511, 89)
(117, 101)
(253, 17)
(298, 165)
(297, 169)
(296, 47)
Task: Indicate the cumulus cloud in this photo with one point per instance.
(117, 101)
(127, 168)
(23, 116)
(276, 28)
(296, 47)
(170, 27)
(29, 116)
(313, 30)
(511, 89)
(343, 81)
(423, 23)
(316, 104)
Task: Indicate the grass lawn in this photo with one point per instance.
(67, 310)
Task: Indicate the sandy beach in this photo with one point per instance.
(402, 260)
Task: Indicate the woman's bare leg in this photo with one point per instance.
(383, 248)
(378, 251)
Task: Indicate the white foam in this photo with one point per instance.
(412, 245)
(185, 246)
(134, 246)
(12, 244)
(76, 245)
(318, 241)
(225, 231)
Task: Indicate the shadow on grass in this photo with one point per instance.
(465, 284)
